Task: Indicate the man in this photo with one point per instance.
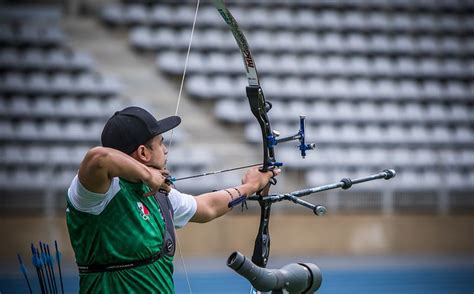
(118, 224)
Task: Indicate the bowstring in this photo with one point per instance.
(172, 131)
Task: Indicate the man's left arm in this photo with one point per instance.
(215, 204)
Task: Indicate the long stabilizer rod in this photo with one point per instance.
(344, 184)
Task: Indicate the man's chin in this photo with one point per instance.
(157, 167)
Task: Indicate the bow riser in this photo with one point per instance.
(261, 250)
(259, 110)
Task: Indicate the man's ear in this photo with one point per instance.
(142, 153)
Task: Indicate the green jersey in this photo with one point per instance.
(130, 228)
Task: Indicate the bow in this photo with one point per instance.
(260, 107)
(270, 138)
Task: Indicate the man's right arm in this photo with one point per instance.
(100, 165)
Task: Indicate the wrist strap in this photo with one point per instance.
(236, 201)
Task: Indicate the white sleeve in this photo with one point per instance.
(184, 207)
(90, 202)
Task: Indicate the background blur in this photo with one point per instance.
(384, 84)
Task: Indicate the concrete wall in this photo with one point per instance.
(291, 235)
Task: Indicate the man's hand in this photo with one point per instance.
(157, 182)
(258, 180)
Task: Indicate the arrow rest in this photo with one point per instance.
(268, 106)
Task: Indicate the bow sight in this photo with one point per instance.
(300, 136)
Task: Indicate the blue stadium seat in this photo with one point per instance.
(91, 106)
(161, 14)
(413, 111)
(403, 44)
(258, 17)
(309, 42)
(63, 178)
(328, 19)
(77, 153)
(11, 155)
(355, 20)
(86, 84)
(461, 112)
(288, 64)
(405, 66)
(142, 38)
(377, 21)
(113, 14)
(136, 14)
(81, 60)
(26, 130)
(440, 134)
(38, 84)
(332, 42)
(402, 22)
(35, 155)
(33, 58)
(361, 89)
(198, 86)
(7, 34)
(59, 155)
(62, 83)
(77, 131)
(429, 67)
(335, 65)
(183, 15)
(13, 82)
(169, 62)
(9, 58)
(361, 66)
(408, 90)
(463, 135)
(456, 90)
(380, 44)
(304, 18)
(454, 69)
(107, 85)
(455, 179)
(29, 179)
(7, 131)
(356, 43)
(44, 106)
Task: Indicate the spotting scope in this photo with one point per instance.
(294, 277)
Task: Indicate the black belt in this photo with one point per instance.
(99, 268)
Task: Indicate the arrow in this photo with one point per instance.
(23, 270)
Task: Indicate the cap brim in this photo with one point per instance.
(167, 124)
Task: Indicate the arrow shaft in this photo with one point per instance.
(214, 172)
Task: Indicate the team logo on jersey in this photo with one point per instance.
(145, 213)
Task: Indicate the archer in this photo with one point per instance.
(122, 211)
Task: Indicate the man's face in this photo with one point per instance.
(158, 152)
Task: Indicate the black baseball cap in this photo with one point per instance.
(133, 126)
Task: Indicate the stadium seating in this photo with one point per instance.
(53, 106)
(382, 83)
